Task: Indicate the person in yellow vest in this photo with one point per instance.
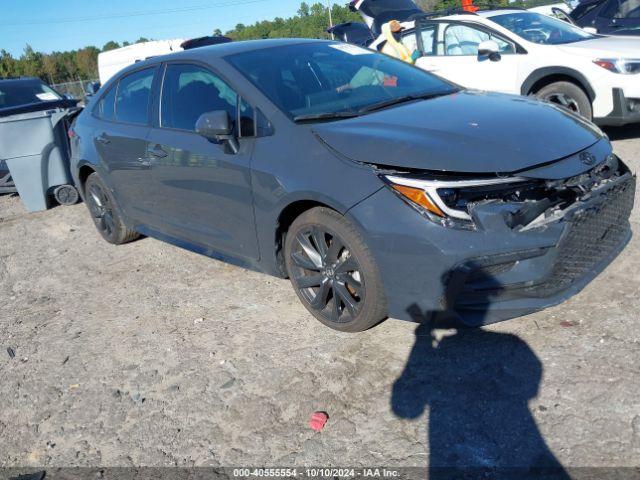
(393, 46)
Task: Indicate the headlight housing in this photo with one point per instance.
(448, 201)
(625, 66)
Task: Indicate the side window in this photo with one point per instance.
(622, 9)
(106, 108)
(132, 100)
(189, 91)
(465, 40)
(428, 34)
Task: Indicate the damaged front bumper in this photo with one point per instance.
(521, 257)
(594, 231)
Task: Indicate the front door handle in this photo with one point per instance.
(102, 138)
(158, 152)
(429, 67)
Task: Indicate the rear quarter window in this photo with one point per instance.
(133, 97)
(106, 107)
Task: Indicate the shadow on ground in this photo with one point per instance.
(627, 132)
(477, 385)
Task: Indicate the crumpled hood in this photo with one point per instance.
(614, 47)
(474, 132)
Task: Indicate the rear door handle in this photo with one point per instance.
(158, 152)
(102, 138)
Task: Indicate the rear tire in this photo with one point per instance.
(567, 95)
(104, 212)
(333, 271)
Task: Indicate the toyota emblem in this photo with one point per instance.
(588, 158)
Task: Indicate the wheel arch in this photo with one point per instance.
(84, 171)
(287, 216)
(542, 77)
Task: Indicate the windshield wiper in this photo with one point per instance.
(325, 116)
(404, 99)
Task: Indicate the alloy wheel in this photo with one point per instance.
(327, 275)
(564, 101)
(102, 210)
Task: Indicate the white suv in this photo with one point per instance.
(527, 53)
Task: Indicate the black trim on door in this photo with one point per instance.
(541, 73)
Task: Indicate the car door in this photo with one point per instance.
(121, 142)
(204, 188)
(450, 49)
(618, 16)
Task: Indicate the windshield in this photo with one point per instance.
(15, 93)
(325, 78)
(542, 29)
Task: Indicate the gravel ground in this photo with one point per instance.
(147, 355)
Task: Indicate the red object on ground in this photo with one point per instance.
(318, 421)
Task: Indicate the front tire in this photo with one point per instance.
(105, 215)
(333, 271)
(569, 96)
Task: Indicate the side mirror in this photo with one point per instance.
(92, 89)
(591, 30)
(216, 126)
(490, 49)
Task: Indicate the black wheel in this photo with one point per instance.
(66, 195)
(105, 215)
(567, 95)
(333, 272)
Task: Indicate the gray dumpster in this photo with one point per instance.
(36, 150)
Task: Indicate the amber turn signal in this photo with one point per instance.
(418, 197)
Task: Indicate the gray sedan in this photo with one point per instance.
(379, 189)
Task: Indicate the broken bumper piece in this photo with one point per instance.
(528, 250)
(595, 231)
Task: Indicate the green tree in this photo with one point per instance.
(8, 65)
(30, 62)
(304, 10)
(111, 45)
(87, 62)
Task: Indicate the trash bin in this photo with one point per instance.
(35, 147)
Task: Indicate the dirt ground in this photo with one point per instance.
(150, 355)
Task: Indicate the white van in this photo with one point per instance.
(111, 62)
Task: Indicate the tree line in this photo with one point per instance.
(310, 21)
(56, 67)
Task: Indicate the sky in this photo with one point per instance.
(59, 25)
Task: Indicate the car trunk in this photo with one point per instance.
(376, 13)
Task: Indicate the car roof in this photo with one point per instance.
(504, 11)
(213, 52)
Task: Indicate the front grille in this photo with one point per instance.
(594, 234)
(482, 274)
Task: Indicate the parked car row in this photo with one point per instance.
(380, 189)
(521, 52)
(613, 17)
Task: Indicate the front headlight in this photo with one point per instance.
(626, 66)
(448, 202)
